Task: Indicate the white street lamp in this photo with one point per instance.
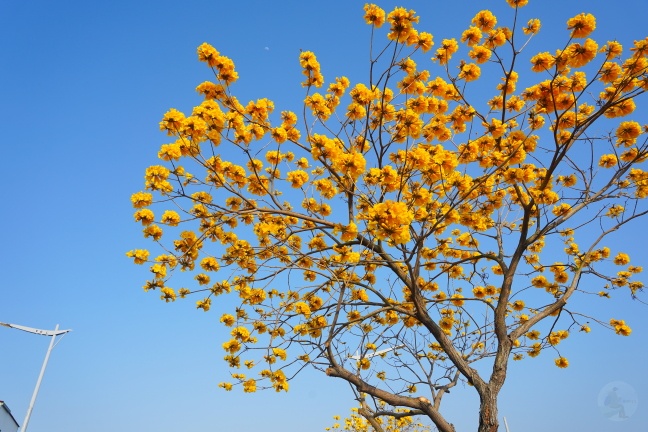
(53, 333)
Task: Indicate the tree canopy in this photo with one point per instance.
(404, 233)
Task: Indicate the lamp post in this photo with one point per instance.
(506, 425)
(53, 334)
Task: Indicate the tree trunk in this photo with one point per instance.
(488, 412)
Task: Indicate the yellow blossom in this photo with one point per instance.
(581, 25)
(621, 259)
(227, 319)
(390, 220)
(140, 256)
(485, 20)
(532, 27)
(561, 362)
(279, 352)
(249, 386)
(141, 199)
(374, 15)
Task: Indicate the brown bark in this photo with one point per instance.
(488, 412)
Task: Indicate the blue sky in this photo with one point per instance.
(83, 86)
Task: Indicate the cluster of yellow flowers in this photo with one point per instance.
(620, 327)
(311, 68)
(223, 65)
(390, 220)
(357, 423)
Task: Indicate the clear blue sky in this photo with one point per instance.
(83, 85)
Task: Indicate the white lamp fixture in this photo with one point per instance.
(53, 334)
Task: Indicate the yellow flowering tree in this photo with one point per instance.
(404, 234)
